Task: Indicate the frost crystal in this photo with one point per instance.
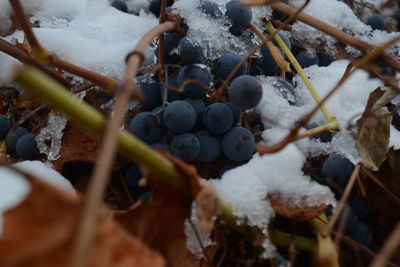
(52, 133)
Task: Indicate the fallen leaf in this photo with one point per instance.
(40, 231)
(373, 133)
(77, 146)
(302, 212)
(160, 222)
(208, 205)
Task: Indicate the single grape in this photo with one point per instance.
(338, 168)
(325, 60)
(120, 5)
(210, 146)
(286, 90)
(26, 147)
(388, 71)
(194, 72)
(179, 117)
(190, 50)
(245, 92)
(14, 135)
(198, 107)
(377, 22)
(147, 127)
(155, 6)
(171, 94)
(4, 126)
(162, 146)
(268, 63)
(240, 16)
(306, 60)
(210, 8)
(151, 90)
(278, 15)
(235, 111)
(185, 146)
(171, 43)
(227, 63)
(218, 118)
(238, 144)
(396, 116)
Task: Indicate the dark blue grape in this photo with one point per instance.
(185, 146)
(359, 205)
(286, 90)
(210, 146)
(306, 60)
(278, 15)
(179, 117)
(338, 168)
(171, 42)
(151, 90)
(377, 22)
(14, 135)
(227, 63)
(235, 111)
(240, 16)
(218, 118)
(198, 107)
(268, 63)
(325, 60)
(190, 50)
(4, 126)
(147, 127)
(171, 94)
(238, 144)
(194, 72)
(133, 176)
(27, 148)
(396, 116)
(210, 8)
(362, 235)
(324, 137)
(388, 71)
(120, 5)
(162, 146)
(155, 6)
(245, 92)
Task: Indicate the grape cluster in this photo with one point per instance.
(19, 140)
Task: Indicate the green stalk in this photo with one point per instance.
(283, 239)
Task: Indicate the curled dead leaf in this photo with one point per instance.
(40, 232)
(373, 133)
(208, 205)
(302, 212)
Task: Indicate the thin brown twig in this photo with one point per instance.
(196, 233)
(381, 185)
(388, 249)
(343, 200)
(102, 169)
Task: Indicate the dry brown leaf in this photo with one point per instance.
(208, 205)
(160, 222)
(373, 133)
(302, 212)
(40, 232)
(77, 146)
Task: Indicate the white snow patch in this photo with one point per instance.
(246, 187)
(14, 187)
